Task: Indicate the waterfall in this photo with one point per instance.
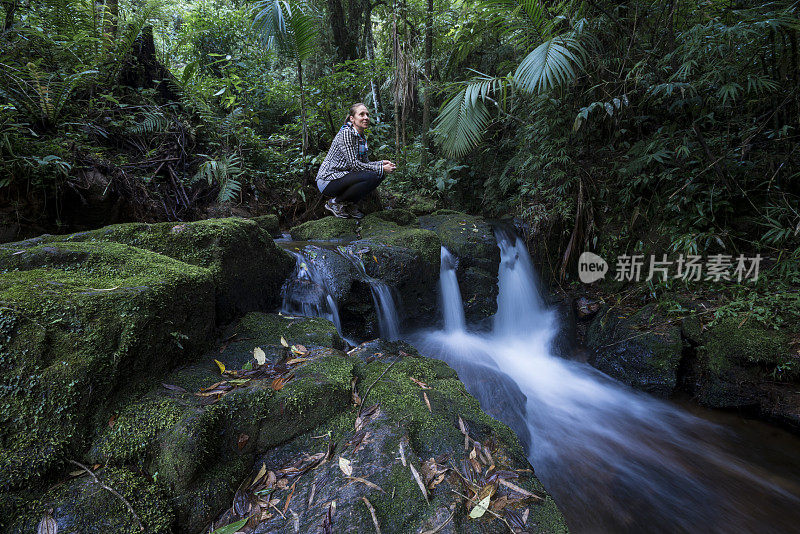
(450, 294)
(614, 459)
(385, 307)
(306, 293)
(388, 322)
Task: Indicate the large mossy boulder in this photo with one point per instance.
(395, 250)
(640, 349)
(247, 267)
(79, 322)
(742, 364)
(182, 454)
(82, 505)
(471, 239)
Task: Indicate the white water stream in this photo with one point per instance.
(615, 460)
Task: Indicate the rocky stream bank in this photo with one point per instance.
(149, 385)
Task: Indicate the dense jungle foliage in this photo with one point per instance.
(663, 127)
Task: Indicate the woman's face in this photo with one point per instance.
(361, 118)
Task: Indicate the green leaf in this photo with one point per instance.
(231, 528)
(552, 63)
(480, 508)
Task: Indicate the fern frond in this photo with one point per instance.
(153, 122)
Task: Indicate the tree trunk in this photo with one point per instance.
(339, 29)
(368, 44)
(303, 118)
(11, 9)
(426, 105)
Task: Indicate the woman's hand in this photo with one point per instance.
(388, 166)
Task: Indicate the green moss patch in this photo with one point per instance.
(327, 228)
(246, 265)
(730, 342)
(88, 319)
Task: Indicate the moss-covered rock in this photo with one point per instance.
(247, 267)
(471, 239)
(403, 432)
(740, 364)
(406, 258)
(325, 229)
(269, 223)
(82, 506)
(640, 349)
(80, 322)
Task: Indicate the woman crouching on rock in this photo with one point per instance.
(346, 175)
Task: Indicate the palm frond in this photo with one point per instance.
(465, 116)
(552, 63)
(290, 28)
(525, 21)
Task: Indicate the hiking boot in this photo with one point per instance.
(337, 209)
(353, 211)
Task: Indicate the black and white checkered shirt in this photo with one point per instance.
(348, 153)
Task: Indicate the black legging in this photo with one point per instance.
(353, 186)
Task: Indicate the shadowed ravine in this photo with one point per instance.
(615, 460)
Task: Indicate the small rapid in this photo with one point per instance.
(308, 293)
(614, 459)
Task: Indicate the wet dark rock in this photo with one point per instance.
(742, 364)
(404, 257)
(472, 240)
(639, 349)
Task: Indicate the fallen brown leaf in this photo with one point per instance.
(372, 513)
(47, 525)
(416, 476)
(420, 383)
(519, 490)
(366, 483)
(243, 438)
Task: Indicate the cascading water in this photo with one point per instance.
(615, 460)
(450, 295)
(385, 307)
(306, 293)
